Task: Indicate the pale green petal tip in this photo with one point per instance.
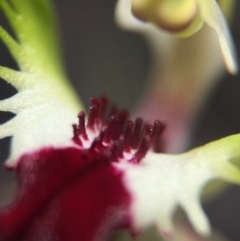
(36, 47)
(219, 155)
(180, 179)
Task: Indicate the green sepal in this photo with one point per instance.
(35, 28)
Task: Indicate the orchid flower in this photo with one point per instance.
(186, 17)
(81, 177)
(189, 48)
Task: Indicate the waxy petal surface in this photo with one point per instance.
(64, 195)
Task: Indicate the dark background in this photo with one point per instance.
(100, 58)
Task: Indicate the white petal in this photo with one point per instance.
(7, 129)
(17, 79)
(161, 183)
(46, 105)
(213, 16)
(197, 216)
(45, 124)
(19, 102)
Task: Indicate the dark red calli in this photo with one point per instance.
(76, 193)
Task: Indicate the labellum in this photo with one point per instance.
(77, 193)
